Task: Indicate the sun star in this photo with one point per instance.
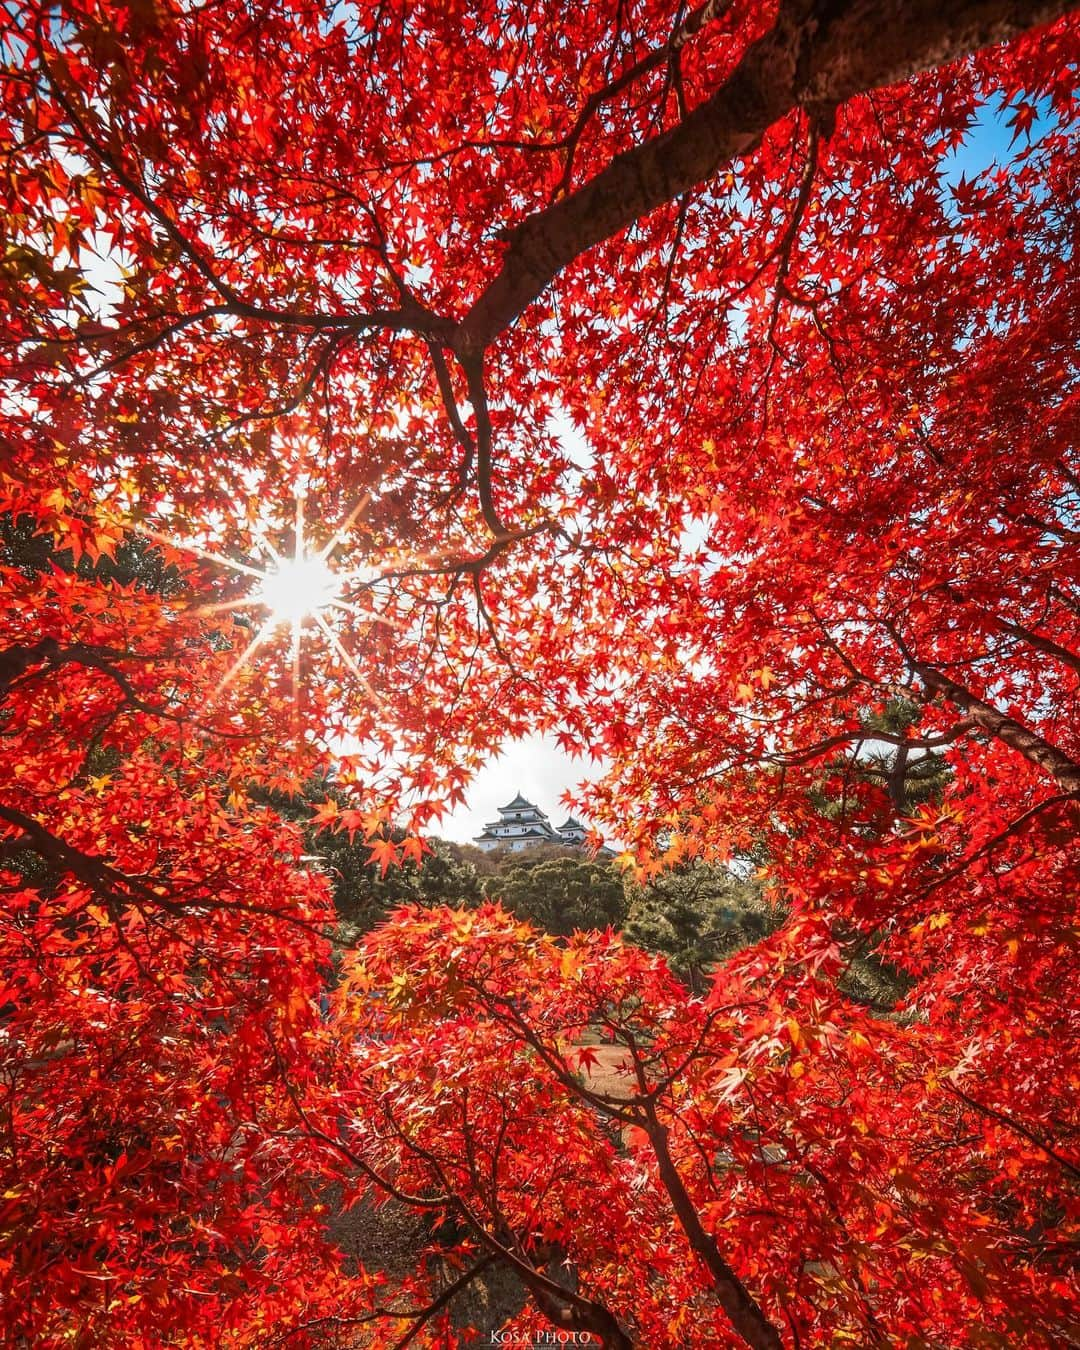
(299, 588)
(294, 589)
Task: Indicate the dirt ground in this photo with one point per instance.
(610, 1074)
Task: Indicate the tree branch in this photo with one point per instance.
(819, 54)
(1017, 1127)
(745, 1313)
(1006, 729)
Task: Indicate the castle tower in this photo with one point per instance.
(572, 832)
(520, 825)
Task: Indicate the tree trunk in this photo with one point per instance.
(733, 1296)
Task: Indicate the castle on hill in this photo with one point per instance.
(522, 825)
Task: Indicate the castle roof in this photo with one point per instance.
(570, 823)
(520, 804)
(531, 832)
(539, 821)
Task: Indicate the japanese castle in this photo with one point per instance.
(522, 825)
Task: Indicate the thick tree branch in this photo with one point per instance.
(474, 370)
(1011, 1123)
(16, 663)
(1038, 641)
(563, 1307)
(420, 1316)
(819, 54)
(746, 1315)
(1011, 830)
(409, 317)
(445, 1298)
(1006, 729)
(691, 25)
(118, 890)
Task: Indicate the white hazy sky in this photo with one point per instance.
(536, 767)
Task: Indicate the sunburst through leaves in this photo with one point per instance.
(297, 589)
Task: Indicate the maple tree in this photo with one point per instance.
(643, 374)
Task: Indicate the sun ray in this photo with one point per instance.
(347, 657)
(294, 662)
(275, 557)
(297, 588)
(222, 606)
(339, 534)
(206, 553)
(241, 661)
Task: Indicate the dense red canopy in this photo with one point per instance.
(674, 381)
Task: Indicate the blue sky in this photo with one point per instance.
(989, 142)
